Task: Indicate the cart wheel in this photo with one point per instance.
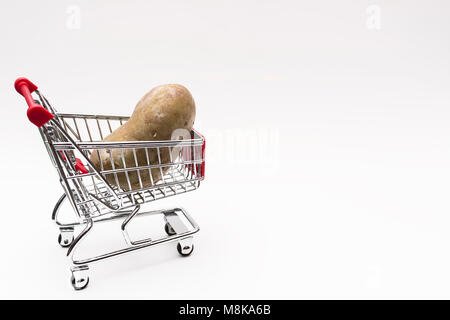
(79, 278)
(169, 229)
(65, 239)
(79, 284)
(186, 250)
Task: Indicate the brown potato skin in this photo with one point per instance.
(161, 111)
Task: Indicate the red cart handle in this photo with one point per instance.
(78, 164)
(36, 113)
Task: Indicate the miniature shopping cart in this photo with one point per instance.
(71, 138)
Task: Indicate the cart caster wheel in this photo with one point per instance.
(185, 250)
(79, 284)
(79, 278)
(65, 239)
(169, 229)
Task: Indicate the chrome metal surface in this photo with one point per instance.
(169, 230)
(185, 246)
(69, 138)
(190, 229)
(65, 237)
(79, 278)
(90, 193)
(58, 205)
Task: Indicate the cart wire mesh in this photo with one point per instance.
(169, 167)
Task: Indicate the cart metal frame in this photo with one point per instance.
(71, 138)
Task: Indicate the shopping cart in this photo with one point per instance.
(71, 138)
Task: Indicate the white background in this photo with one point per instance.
(327, 132)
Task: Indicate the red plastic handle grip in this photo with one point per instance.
(78, 163)
(187, 154)
(203, 156)
(36, 113)
(80, 166)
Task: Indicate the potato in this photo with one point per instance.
(156, 116)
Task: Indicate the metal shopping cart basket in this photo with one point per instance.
(71, 138)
